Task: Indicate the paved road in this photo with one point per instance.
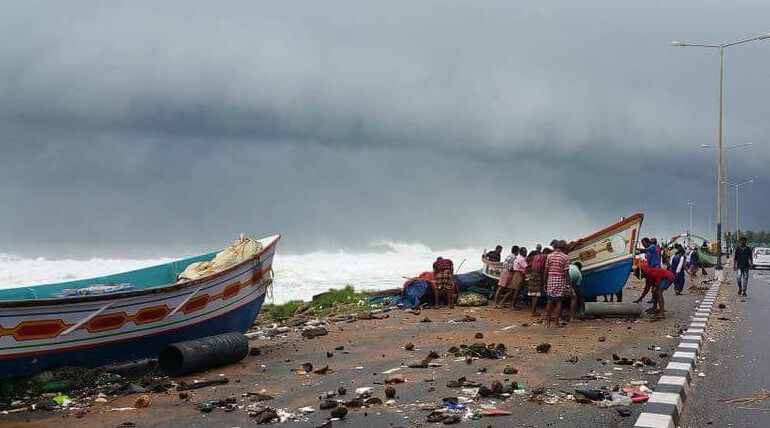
(736, 363)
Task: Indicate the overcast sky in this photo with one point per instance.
(340, 123)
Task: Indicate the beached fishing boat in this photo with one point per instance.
(130, 315)
(607, 257)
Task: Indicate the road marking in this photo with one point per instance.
(673, 380)
(654, 420)
(679, 366)
(683, 354)
(688, 345)
(667, 398)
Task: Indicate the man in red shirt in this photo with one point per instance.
(660, 279)
(444, 286)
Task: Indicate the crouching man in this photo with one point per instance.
(659, 280)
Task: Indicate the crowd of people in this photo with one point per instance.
(542, 272)
(662, 267)
(547, 272)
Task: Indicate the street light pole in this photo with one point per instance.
(737, 187)
(720, 150)
(721, 48)
(725, 164)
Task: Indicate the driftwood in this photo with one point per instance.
(759, 396)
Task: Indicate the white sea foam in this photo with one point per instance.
(297, 277)
(16, 271)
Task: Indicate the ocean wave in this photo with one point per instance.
(297, 276)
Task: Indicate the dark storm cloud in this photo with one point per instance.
(343, 123)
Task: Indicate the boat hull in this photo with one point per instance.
(607, 257)
(105, 330)
(238, 320)
(608, 279)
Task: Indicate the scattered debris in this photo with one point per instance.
(262, 414)
(339, 412)
(313, 332)
(142, 401)
(409, 346)
(393, 378)
(510, 370)
(328, 404)
(623, 412)
(543, 348)
(323, 370)
(759, 396)
(418, 364)
(390, 392)
(184, 386)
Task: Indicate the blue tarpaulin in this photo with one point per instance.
(414, 294)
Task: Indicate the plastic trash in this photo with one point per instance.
(453, 405)
(57, 386)
(616, 399)
(364, 391)
(62, 399)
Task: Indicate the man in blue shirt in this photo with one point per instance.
(651, 253)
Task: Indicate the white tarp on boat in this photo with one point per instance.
(240, 250)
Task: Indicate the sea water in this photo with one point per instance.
(297, 276)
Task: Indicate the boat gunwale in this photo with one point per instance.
(23, 303)
(611, 228)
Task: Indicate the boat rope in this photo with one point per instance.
(269, 291)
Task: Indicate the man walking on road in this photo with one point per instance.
(741, 265)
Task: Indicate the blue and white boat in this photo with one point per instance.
(607, 257)
(131, 316)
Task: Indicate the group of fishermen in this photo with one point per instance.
(543, 272)
(548, 272)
